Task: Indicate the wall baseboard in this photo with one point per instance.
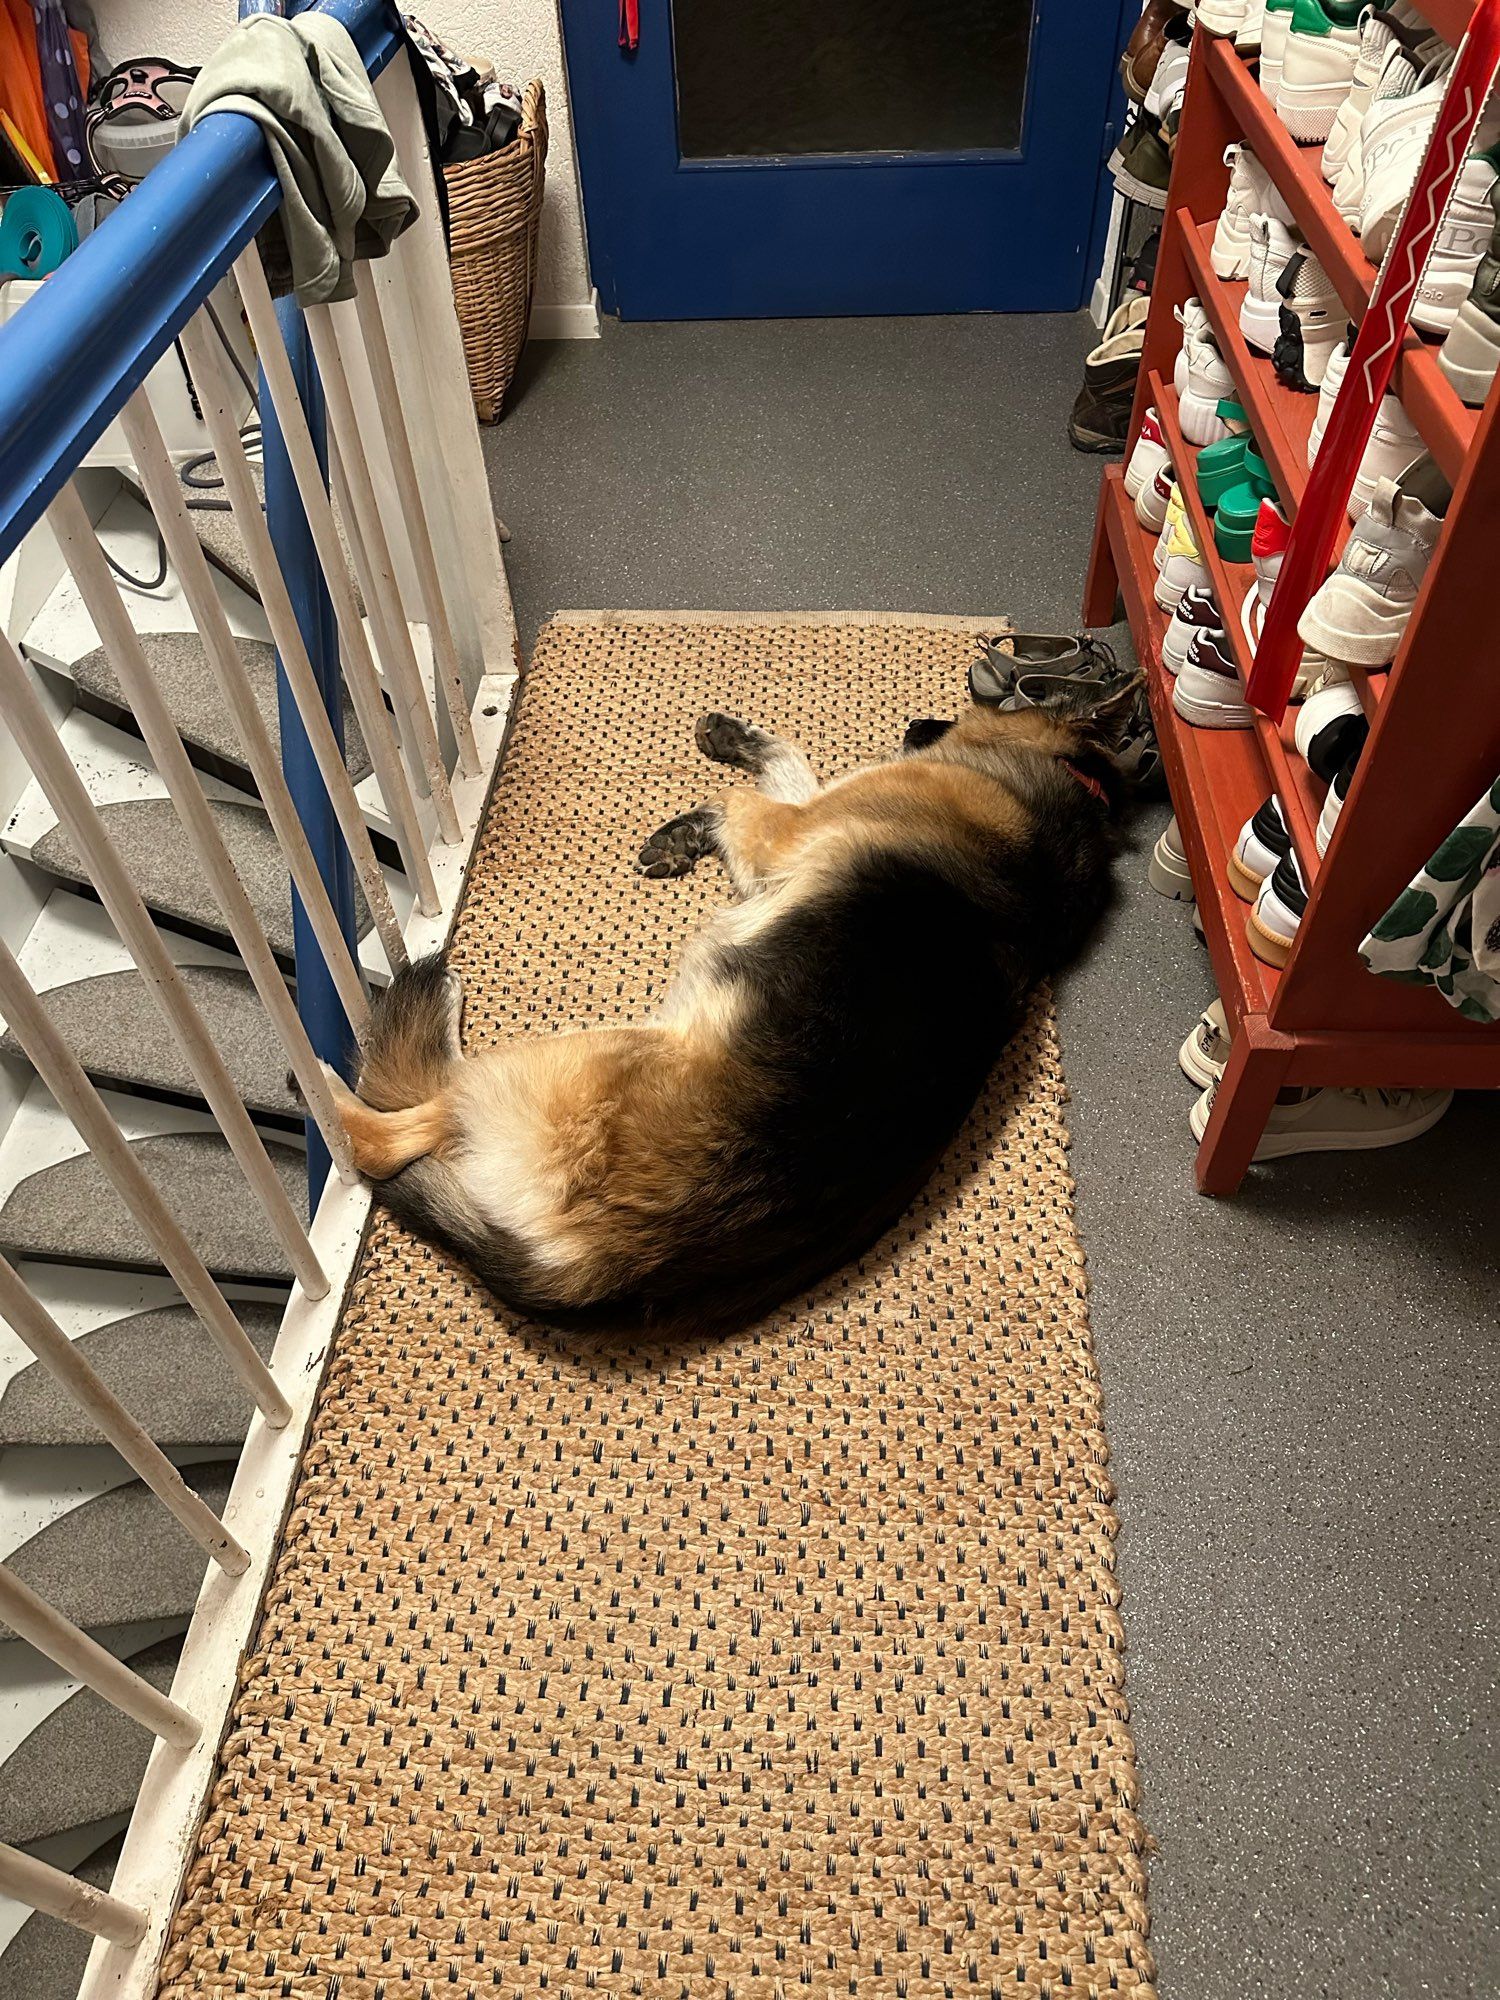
(566, 322)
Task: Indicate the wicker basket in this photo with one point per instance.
(495, 212)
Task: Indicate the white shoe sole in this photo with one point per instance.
(1348, 621)
(1471, 354)
(1281, 1145)
(1195, 1067)
(1200, 419)
(1168, 873)
(1207, 714)
(1308, 110)
(1229, 253)
(1260, 322)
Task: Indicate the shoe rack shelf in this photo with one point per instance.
(1434, 741)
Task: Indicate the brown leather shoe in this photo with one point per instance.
(1143, 50)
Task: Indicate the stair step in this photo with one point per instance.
(181, 671)
(216, 527)
(85, 1762)
(57, 1206)
(143, 823)
(161, 1365)
(45, 1959)
(121, 1559)
(76, 962)
(112, 1025)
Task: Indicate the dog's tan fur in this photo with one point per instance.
(587, 1154)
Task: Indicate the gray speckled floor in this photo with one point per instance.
(1301, 1383)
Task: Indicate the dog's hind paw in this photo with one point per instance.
(676, 848)
(728, 741)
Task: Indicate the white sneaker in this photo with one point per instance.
(1193, 320)
(1182, 567)
(1360, 612)
(1393, 443)
(1463, 238)
(1167, 870)
(1220, 17)
(1272, 246)
(1392, 141)
(1274, 29)
(1333, 804)
(1207, 693)
(1271, 927)
(1206, 383)
(1147, 457)
(1330, 728)
(1318, 66)
(1247, 35)
(1339, 1121)
(1196, 612)
(1328, 389)
(1263, 841)
(1305, 347)
(1380, 29)
(1154, 500)
(1251, 192)
(1205, 1052)
(1168, 82)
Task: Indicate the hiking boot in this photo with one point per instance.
(1100, 418)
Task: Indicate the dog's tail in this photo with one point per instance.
(410, 1051)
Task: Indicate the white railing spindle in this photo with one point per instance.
(409, 489)
(30, 1321)
(45, 753)
(359, 662)
(101, 596)
(42, 1626)
(63, 1075)
(43, 1887)
(164, 491)
(207, 368)
(372, 561)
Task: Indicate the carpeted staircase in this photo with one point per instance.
(68, 1506)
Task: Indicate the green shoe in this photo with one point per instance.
(1221, 466)
(1238, 511)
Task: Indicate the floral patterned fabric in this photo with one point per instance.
(1444, 929)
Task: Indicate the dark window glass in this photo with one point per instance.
(849, 76)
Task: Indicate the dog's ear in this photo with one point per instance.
(1113, 720)
(924, 730)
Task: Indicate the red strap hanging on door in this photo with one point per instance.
(1321, 513)
(630, 24)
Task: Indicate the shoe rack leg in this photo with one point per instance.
(1255, 1072)
(1101, 586)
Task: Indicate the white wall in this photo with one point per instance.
(523, 37)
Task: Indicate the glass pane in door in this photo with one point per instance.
(758, 77)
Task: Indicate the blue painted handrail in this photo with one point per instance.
(75, 353)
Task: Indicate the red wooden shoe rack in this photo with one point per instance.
(1434, 743)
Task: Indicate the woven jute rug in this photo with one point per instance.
(779, 1665)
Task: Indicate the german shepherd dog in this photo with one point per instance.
(823, 1041)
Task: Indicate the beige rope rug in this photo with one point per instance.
(734, 1669)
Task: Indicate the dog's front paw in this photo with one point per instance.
(728, 741)
(676, 848)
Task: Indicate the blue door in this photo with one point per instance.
(758, 158)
